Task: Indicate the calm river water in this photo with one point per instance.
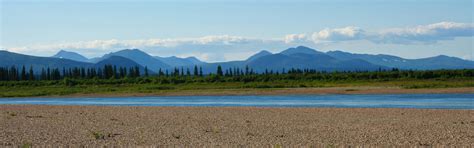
(434, 101)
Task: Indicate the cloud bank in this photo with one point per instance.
(227, 47)
(296, 38)
(338, 34)
(208, 48)
(431, 33)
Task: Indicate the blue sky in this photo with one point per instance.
(225, 30)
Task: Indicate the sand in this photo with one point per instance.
(231, 126)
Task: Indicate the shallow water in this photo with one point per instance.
(433, 101)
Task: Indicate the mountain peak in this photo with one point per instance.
(193, 59)
(117, 60)
(258, 55)
(131, 50)
(63, 54)
(300, 49)
(337, 51)
(62, 51)
(264, 52)
(173, 57)
(140, 57)
(443, 56)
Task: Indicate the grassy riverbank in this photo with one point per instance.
(118, 88)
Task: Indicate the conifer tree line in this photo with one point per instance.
(13, 73)
(246, 74)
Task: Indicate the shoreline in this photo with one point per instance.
(275, 91)
(146, 126)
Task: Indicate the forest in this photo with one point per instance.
(177, 75)
(23, 81)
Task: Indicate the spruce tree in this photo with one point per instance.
(137, 71)
(48, 74)
(83, 72)
(219, 70)
(196, 73)
(23, 73)
(246, 70)
(31, 74)
(115, 72)
(160, 72)
(146, 71)
(43, 74)
(200, 71)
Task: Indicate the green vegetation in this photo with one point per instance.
(26, 145)
(98, 135)
(12, 114)
(123, 81)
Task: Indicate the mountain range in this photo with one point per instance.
(298, 57)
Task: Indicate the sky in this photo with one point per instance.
(224, 30)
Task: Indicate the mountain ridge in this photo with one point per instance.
(297, 57)
(140, 57)
(428, 63)
(18, 60)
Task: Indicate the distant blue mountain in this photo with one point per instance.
(194, 60)
(299, 57)
(211, 67)
(258, 55)
(18, 60)
(174, 61)
(299, 50)
(441, 62)
(437, 62)
(14, 59)
(307, 58)
(62, 54)
(119, 61)
(139, 57)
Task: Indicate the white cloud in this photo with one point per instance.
(338, 34)
(431, 33)
(296, 38)
(223, 39)
(113, 43)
